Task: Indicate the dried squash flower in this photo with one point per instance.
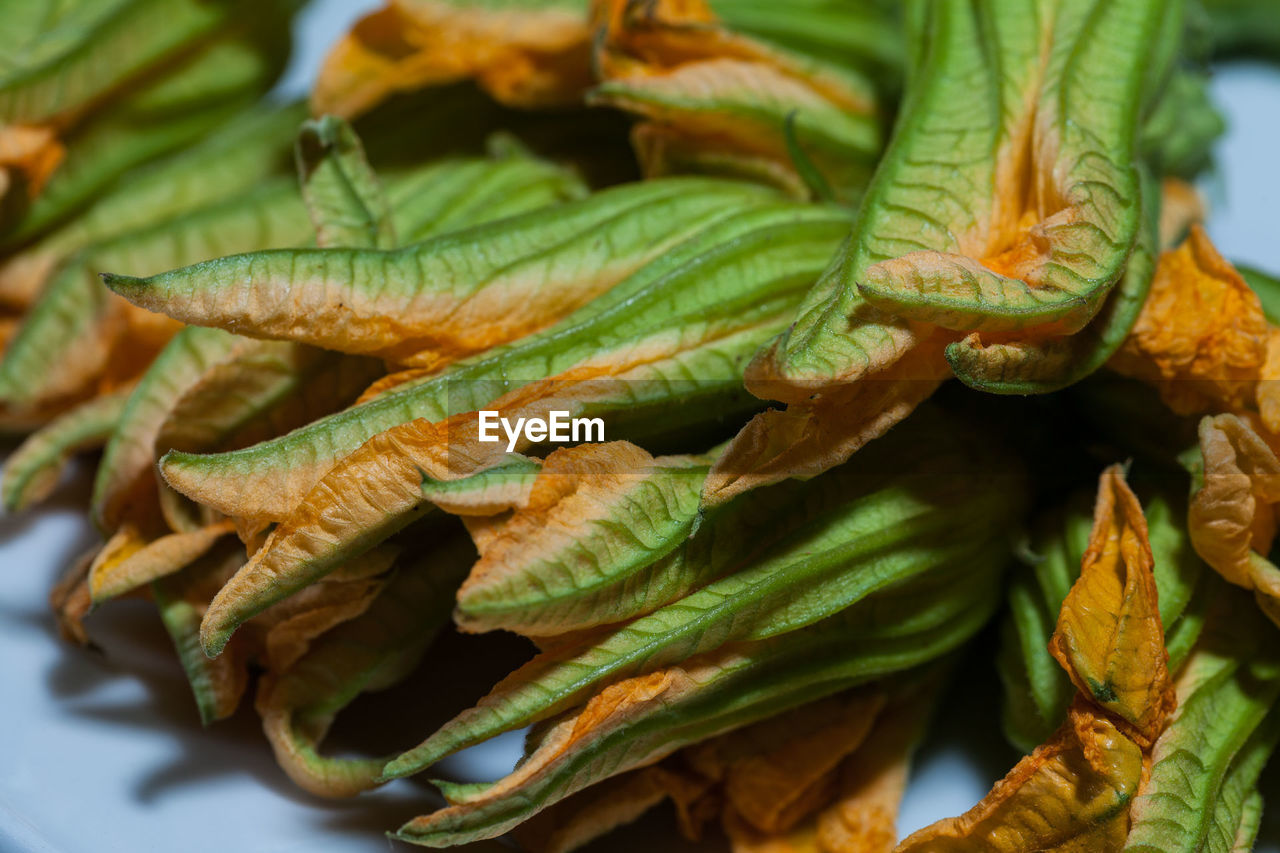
(1074, 792)
(1003, 229)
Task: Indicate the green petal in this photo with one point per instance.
(52, 354)
(1208, 758)
(236, 158)
(863, 36)
(837, 338)
(673, 292)
(1243, 28)
(700, 320)
(207, 87)
(342, 194)
(1036, 690)
(999, 93)
(574, 559)
(371, 652)
(638, 722)
(841, 551)
(124, 487)
(1237, 815)
(1268, 289)
(217, 684)
(487, 493)
(72, 56)
(1179, 135)
(1040, 367)
(451, 296)
(1079, 143)
(460, 193)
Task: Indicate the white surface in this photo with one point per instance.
(1244, 195)
(105, 753)
(316, 27)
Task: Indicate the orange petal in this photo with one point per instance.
(32, 150)
(1268, 394)
(70, 600)
(1201, 338)
(809, 438)
(791, 770)
(603, 807)
(865, 794)
(1232, 517)
(1181, 208)
(368, 493)
(8, 328)
(863, 818)
(531, 57)
(23, 276)
(343, 595)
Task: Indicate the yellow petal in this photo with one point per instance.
(129, 561)
(119, 547)
(1109, 638)
(1071, 794)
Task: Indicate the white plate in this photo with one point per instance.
(105, 753)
